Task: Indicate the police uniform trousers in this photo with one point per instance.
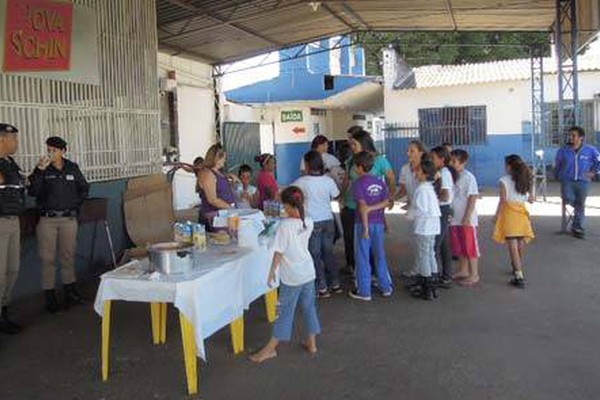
(50, 232)
(10, 254)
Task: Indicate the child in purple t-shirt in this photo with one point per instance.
(371, 195)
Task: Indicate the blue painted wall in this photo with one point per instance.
(486, 161)
(302, 78)
(30, 278)
(289, 156)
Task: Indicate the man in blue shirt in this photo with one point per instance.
(576, 164)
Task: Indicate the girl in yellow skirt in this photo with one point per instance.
(513, 224)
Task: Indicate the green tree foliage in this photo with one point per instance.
(423, 48)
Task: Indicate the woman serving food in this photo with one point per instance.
(215, 189)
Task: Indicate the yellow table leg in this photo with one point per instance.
(237, 335)
(189, 354)
(155, 318)
(105, 339)
(271, 303)
(163, 323)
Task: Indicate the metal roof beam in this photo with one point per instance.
(451, 14)
(181, 51)
(354, 15)
(197, 12)
(336, 16)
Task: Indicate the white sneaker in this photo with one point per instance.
(409, 273)
(354, 295)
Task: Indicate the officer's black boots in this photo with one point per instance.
(72, 297)
(52, 305)
(6, 325)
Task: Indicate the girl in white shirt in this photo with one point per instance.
(297, 277)
(425, 213)
(445, 189)
(409, 182)
(512, 221)
(319, 190)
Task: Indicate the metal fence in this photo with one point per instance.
(551, 135)
(461, 126)
(112, 127)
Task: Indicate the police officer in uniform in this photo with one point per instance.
(60, 189)
(12, 203)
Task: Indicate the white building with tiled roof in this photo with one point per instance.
(484, 107)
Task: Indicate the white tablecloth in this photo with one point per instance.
(224, 282)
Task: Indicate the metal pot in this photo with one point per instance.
(171, 258)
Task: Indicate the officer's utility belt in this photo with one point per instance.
(58, 214)
(12, 200)
(16, 187)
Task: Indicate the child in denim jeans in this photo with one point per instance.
(297, 276)
(371, 195)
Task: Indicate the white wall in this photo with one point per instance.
(195, 119)
(508, 103)
(240, 113)
(504, 102)
(188, 72)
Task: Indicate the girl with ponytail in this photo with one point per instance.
(444, 185)
(297, 276)
(512, 221)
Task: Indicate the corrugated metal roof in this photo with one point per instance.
(431, 76)
(221, 31)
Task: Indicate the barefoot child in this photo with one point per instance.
(512, 222)
(371, 195)
(425, 213)
(297, 276)
(463, 227)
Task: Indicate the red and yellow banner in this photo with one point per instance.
(38, 35)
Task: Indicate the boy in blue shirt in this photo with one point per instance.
(371, 194)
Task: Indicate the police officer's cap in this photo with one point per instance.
(7, 128)
(56, 142)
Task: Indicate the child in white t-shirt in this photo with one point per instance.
(409, 182)
(319, 190)
(246, 194)
(425, 213)
(464, 222)
(297, 276)
(444, 186)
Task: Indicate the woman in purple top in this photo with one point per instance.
(215, 190)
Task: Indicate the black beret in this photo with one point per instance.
(7, 128)
(57, 142)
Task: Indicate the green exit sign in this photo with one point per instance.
(291, 116)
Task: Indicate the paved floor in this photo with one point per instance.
(488, 342)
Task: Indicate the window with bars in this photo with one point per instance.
(552, 135)
(460, 126)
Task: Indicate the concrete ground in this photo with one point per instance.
(488, 342)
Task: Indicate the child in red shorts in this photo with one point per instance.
(463, 227)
